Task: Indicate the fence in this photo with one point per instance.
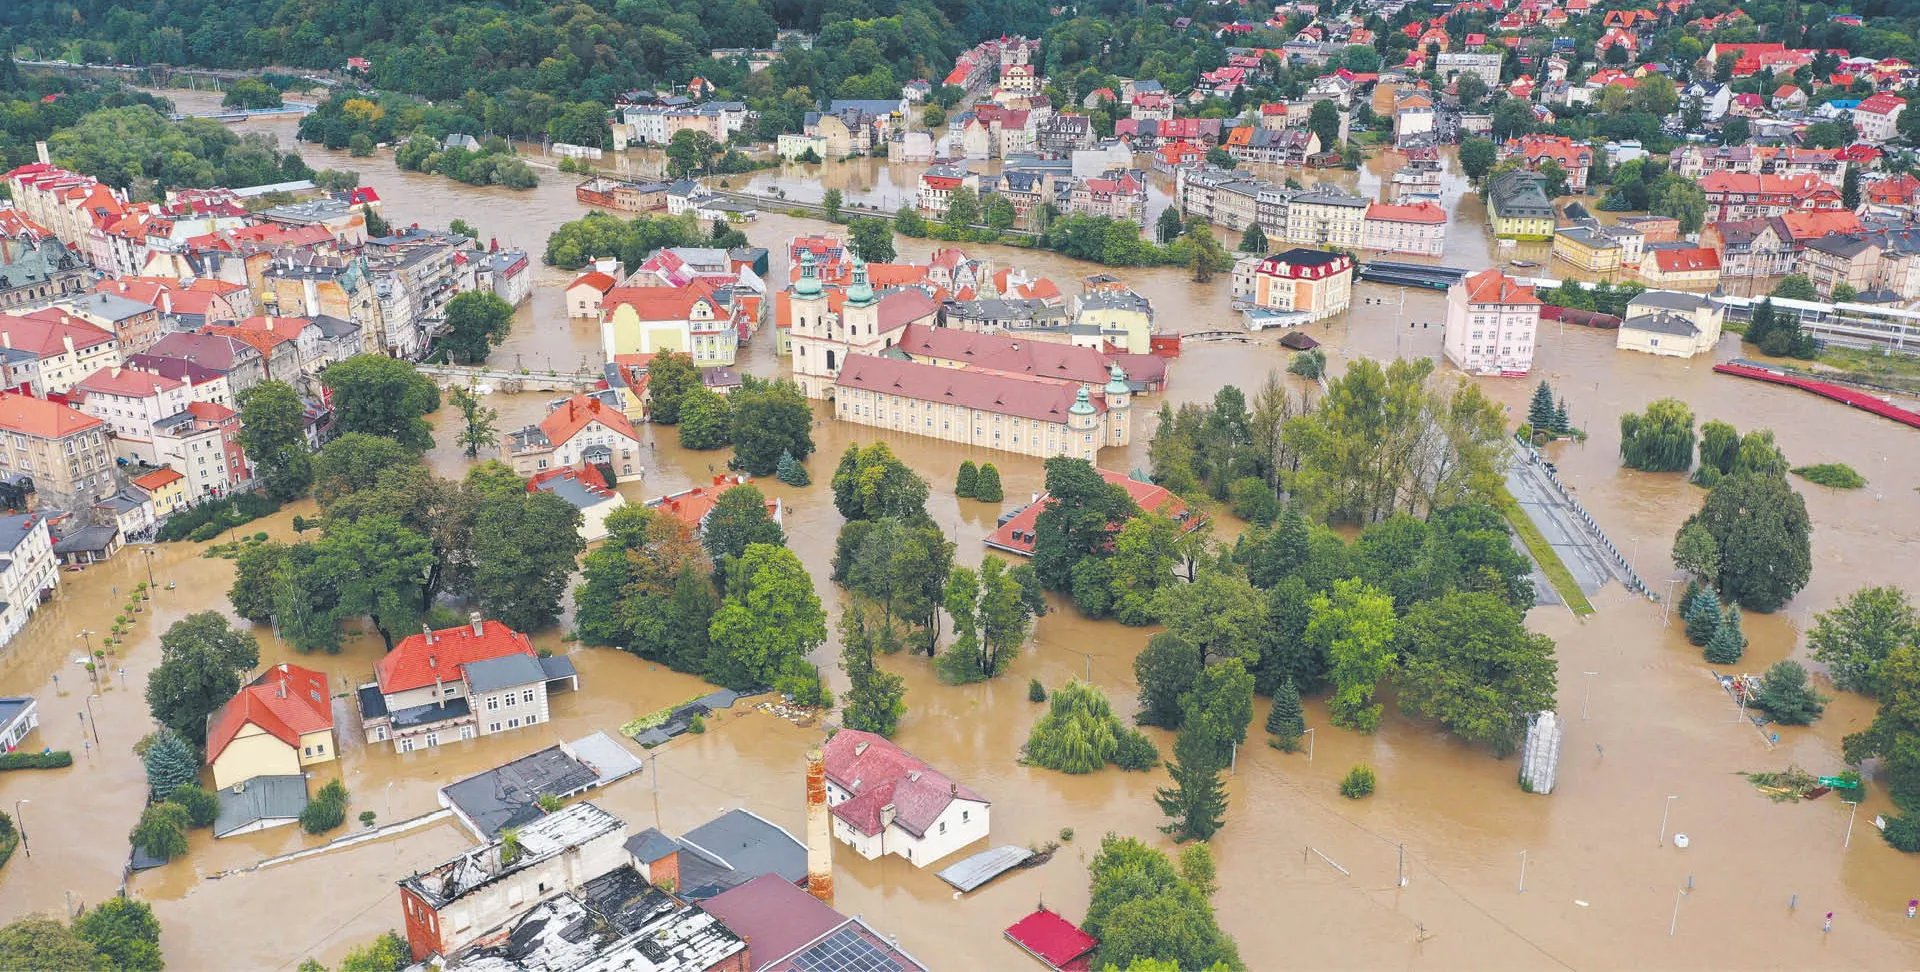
(1628, 575)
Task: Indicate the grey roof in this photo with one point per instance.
(426, 715)
(1669, 300)
(260, 798)
(113, 307)
(334, 327)
(505, 671)
(870, 106)
(735, 848)
(504, 796)
(1587, 237)
(650, 845)
(373, 705)
(87, 540)
(130, 498)
(983, 867)
(1520, 194)
(312, 211)
(1842, 246)
(15, 528)
(13, 708)
(557, 666)
(1662, 322)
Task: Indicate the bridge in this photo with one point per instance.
(507, 381)
(1410, 274)
(243, 114)
(852, 209)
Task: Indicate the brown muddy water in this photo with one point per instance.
(1599, 893)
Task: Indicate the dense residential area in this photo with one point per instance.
(908, 485)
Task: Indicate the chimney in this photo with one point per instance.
(819, 839)
(426, 631)
(479, 626)
(40, 152)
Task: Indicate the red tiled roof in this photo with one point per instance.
(1686, 260)
(413, 662)
(659, 303)
(263, 338)
(1806, 226)
(576, 413)
(210, 411)
(1045, 399)
(157, 480)
(1881, 104)
(38, 417)
(116, 380)
(995, 352)
(879, 773)
(1493, 287)
(595, 279)
(1420, 212)
(287, 701)
(1052, 939)
(46, 331)
(1147, 496)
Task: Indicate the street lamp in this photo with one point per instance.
(1663, 819)
(149, 558)
(1309, 735)
(93, 718)
(20, 824)
(1587, 695)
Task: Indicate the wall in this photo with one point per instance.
(254, 752)
(936, 845)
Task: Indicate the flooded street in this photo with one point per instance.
(1598, 894)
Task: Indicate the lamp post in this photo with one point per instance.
(20, 823)
(1663, 819)
(1674, 925)
(1587, 695)
(1309, 735)
(149, 558)
(94, 719)
(1523, 872)
(390, 799)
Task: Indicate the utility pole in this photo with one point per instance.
(655, 760)
(1586, 696)
(1403, 865)
(1523, 872)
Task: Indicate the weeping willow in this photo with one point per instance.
(1079, 733)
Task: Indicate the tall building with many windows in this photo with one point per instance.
(1491, 320)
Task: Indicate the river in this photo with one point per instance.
(1597, 894)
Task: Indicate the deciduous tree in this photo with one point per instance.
(1660, 439)
(1468, 663)
(382, 396)
(671, 376)
(768, 419)
(1760, 525)
(201, 660)
(739, 517)
(273, 433)
(771, 618)
(477, 321)
(1353, 627)
(1855, 637)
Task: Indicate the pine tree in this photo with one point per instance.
(1787, 697)
(1540, 410)
(1286, 723)
(790, 471)
(1725, 647)
(1703, 617)
(1197, 801)
(1561, 424)
(967, 481)
(1731, 620)
(986, 488)
(171, 764)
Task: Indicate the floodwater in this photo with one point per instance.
(1597, 893)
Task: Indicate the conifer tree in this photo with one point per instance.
(1197, 801)
(1540, 410)
(986, 488)
(967, 481)
(1561, 424)
(1286, 723)
(1725, 647)
(1703, 617)
(171, 763)
(790, 471)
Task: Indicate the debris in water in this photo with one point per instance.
(1789, 786)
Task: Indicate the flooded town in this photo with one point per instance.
(648, 816)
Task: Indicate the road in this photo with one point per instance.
(1560, 523)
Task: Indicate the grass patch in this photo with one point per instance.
(654, 718)
(1838, 475)
(1900, 372)
(1543, 554)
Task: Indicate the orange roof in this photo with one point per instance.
(263, 338)
(1687, 260)
(126, 381)
(658, 303)
(691, 506)
(595, 279)
(46, 331)
(157, 480)
(1806, 226)
(1493, 287)
(1420, 212)
(38, 417)
(576, 413)
(1016, 535)
(210, 411)
(287, 701)
(413, 663)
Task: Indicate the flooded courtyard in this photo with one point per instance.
(1598, 892)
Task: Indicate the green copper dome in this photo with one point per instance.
(1117, 381)
(1082, 405)
(809, 283)
(859, 292)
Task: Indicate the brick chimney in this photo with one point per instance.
(479, 626)
(819, 837)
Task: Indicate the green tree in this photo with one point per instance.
(706, 420)
(1894, 734)
(162, 831)
(1703, 616)
(872, 238)
(998, 213)
(690, 151)
(1512, 118)
(790, 471)
(1220, 704)
(481, 421)
(1660, 439)
(965, 481)
(524, 551)
(44, 943)
(1352, 626)
(1219, 614)
(250, 93)
(1736, 131)
(477, 321)
(1468, 663)
(1681, 199)
(377, 227)
(1786, 696)
(1166, 671)
(254, 576)
(273, 433)
(1850, 188)
(1476, 158)
(671, 377)
(125, 933)
(382, 396)
(771, 618)
(1720, 443)
(1760, 525)
(388, 953)
(1286, 723)
(1077, 520)
(1727, 643)
(1324, 121)
(831, 203)
(1540, 409)
(739, 518)
(769, 419)
(1254, 240)
(356, 461)
(875, 700)
(1471, 89)
(1855, 638)
(1142, 909)
(1080, 734)
(1795, 286)
(871, 483)
(1695, 551)
(1197, 801)
(327, 809)
(963, 208)
(987, 488)
(1167, 226)
(202, 807)
(381, 567)
(463, 228)
(171, 763)
(201, 660)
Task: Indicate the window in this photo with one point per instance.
(963, 815)
(527, 696)
(531, 719)
(493, 727)
(493, 703)
(513, 723)
(943, 826)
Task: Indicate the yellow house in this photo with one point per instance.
(1687, 268)
(1586, 249)
(649, 320)
(1518, 208)
(168, 489)
(279, 724)
(1119, 317)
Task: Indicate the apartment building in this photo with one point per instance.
(67, 452)
(1491, 324)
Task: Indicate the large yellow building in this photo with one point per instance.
(649, 320)
(1119, 317)
(1518, 208)
(279, 724)
(1586, 249)
(995, 410)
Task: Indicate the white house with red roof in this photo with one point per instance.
(582, 430)
(1016, 536)
(277, 725)
(131, 403)
(885, 800)
(587, 292)
(1491, 322)
(476, 679)
(1877, 118)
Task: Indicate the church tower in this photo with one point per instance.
(1082, 419)
(1119, 396)
(816, 359)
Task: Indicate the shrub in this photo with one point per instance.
(366, 818)
(1358, 783)
(1837, 475)
(57, 759)
(326, 810)
(1036, 692)
(1136, 752)
(1066, 835)
(1903, 833)
(966, 480)
(201, 806)
(1080, 733)
(986, 486)
(698, 726)
(162, 831)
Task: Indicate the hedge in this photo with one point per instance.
(57, 759)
